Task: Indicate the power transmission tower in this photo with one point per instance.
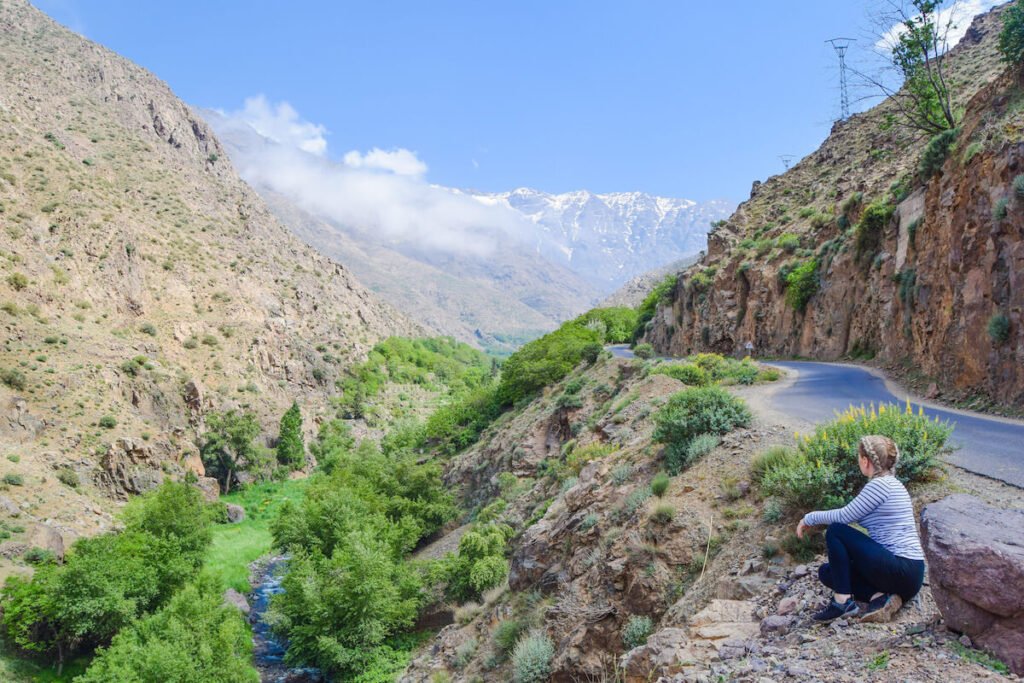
(840, 45)
(786, 159)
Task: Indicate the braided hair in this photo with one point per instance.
(882, 452)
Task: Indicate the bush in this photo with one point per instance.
(291, 450)
(789, 242)
(459, 424)
(802, 284)
(13, 378)
(1018, 186)
(663, 514)
(636, 631)
(545, 361)
(871, 226)
(615, 324)
(108, 422)
(68, 477)
(659, 485)
(660, 294)
(701, 445)
(824, 472)
(194, 638)
(634, 500)
(148, 328)
(999, 329)
(480, 563)
(17, 281)
(644, 351)
(695, 411)
(507, 634)
(579, 457)
(621, 474)
(531, 658)
(14, 479)
(1000, 209)
(774, 458)
(1011, 37)
(687, 373)
(936, 151)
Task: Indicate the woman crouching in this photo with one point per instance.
(884, 568)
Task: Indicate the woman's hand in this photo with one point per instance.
(800, 528)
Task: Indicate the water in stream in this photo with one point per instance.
(268, 649)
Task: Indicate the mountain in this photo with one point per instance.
(610, 238)
(633, 292)
(882, 244)
(142, 282)
(495, 296)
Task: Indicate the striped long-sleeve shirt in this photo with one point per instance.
(882, 507)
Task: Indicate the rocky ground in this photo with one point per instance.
(727, 599)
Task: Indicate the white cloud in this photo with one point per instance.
(382, 193)
(398, 161)
(958, 16)
(281, 123)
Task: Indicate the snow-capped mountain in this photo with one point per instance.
(610, 238)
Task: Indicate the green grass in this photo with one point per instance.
(235, 546)
(15, 670)
(980, 657)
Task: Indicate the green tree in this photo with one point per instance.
(480, 563)
(291, 451)
(917, 47)
(337, 612)
(229, 446)
(195, 637)
(1011, 38)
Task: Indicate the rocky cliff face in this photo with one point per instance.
(921, 289)
(142, 283)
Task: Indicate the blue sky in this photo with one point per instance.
(676, 98)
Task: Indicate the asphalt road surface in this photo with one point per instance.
(989, 446)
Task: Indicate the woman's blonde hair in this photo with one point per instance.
(882, 452)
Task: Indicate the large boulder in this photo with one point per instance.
(975, 559)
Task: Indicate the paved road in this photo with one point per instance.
(621, 350)
(992, 447)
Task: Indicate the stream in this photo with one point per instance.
(268, 649)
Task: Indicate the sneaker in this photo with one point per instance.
(882, 609)
(833, 610)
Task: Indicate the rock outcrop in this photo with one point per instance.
(975, 559)
(936, 285)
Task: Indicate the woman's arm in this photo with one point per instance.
(870, 497)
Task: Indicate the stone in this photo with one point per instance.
(787, 606)
(801, 570)
(236, 513)
(975, 556)
(8, 507)
(751, 566)
(777, 624)
(210, 488)
(664, 654)
(48, 538)
(233, 598)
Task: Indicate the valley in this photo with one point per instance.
(273, 416)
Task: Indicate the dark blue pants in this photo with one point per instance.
(861, 567)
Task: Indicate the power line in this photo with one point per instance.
(840, 45)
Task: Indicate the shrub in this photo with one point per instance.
(13, 378)
(802, 284)
(773, 458)
(579, 457)
(291, 451)
(695, 411)
(644, 350)
(17, 281)
(615, 324)
(1018, 186)
(701, 445)
(999, 329)
(1011, 37)
(687, 373)
(545, 361)
(634, 500)
(589, 522)
(108, 422)
(788, 242)
(659, 485)
(195, 638)
(772, 511)
(804, 549)
(148, 328)
(531, 658)
(659, 294)
(870, 227)
(14, 479)
(506, 635)
(1000, 209)
(40, 556)
(480, 563)
(621, 474)
(936, 151)
(636, 631)
(824, 472)
(663, 514)
(68, 477)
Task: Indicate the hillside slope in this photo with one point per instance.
(142, 283)
(917, 290)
